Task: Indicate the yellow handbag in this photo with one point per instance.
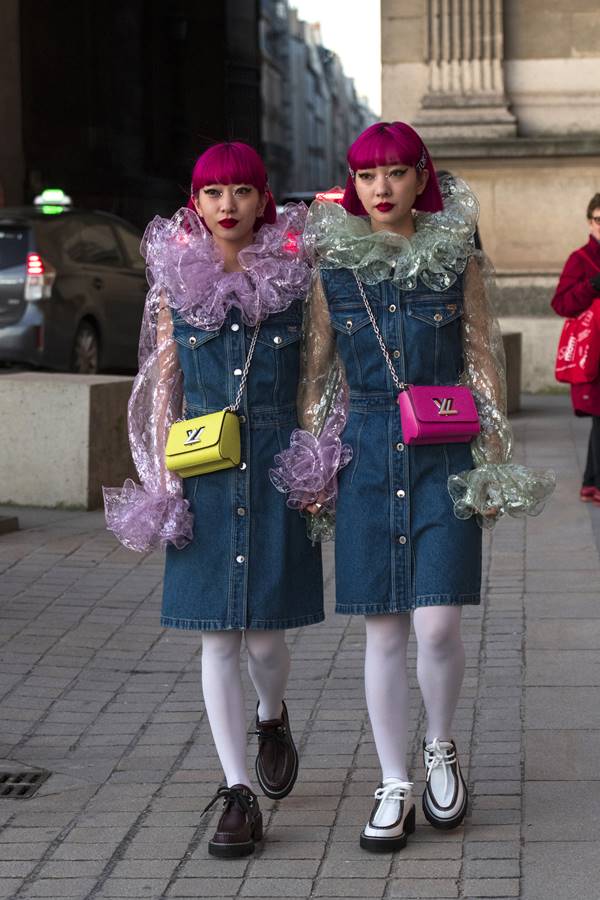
(208, 443)
(205, 444)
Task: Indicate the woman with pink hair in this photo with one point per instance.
(398, 301)
(221, 330)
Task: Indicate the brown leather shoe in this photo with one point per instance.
(240, 824)
(277, 759)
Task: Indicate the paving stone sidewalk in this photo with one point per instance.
(94, 691)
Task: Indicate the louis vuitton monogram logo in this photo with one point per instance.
(193, 436)
(445, 406)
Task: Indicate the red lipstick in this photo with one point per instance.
(384, 207)
(228, 223)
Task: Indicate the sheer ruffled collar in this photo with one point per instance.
(437, 253)
(182, 258)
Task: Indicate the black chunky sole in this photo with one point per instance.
(383, 844)
(445, 824)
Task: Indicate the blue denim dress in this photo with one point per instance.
(398, 544)
(250, 564)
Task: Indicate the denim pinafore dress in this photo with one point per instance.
(398, 545)
(250, 564)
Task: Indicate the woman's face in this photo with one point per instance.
(230, 210)
(388, 193)
(595, 224)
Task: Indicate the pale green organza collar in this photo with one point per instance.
(437, 253)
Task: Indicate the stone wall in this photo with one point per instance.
(507, 95)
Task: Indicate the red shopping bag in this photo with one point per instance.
(578, 354)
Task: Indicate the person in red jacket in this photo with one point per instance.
(578, 287)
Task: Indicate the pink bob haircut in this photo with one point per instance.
(233, 163)
(384, 144)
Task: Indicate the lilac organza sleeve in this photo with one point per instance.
(307, 471)
(154, 513)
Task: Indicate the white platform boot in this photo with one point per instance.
(392, 818)
(445, 796)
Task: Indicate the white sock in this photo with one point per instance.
(386, 688)
(440, 665)
(269, 669)
(224, 701)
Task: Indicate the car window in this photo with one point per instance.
(95, 243)
(131, 242)
(13, 246)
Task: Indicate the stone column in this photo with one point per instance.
(465, 96)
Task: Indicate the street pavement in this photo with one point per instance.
(94, 691)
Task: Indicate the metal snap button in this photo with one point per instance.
(192, 341)
(235, 327)
(400, 494)
(277, 340)
(240, 559)
(438, 317)
(396, 354)
(241, 511)
(243, 465)
(392, 307)
(400, 447)
(237, 371)
(401, 539)
(242, 420)
(349, 323)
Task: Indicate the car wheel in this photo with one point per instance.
(86, 350)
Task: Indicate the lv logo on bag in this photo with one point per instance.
(193, 436)
(445, 407)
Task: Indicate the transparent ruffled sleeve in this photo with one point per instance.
(154, 513)
(307, 470)
(495, 484)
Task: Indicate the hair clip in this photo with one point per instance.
(352, 172)
(422, 159)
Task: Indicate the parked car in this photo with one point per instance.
(334, 195)
(72, 288)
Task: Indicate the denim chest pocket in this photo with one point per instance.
(201, 368)
(435, 312)
(275, 369)
(349, 320)
(279, 335)
(192, 338)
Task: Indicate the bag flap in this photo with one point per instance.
(195, 434)
(440, 403)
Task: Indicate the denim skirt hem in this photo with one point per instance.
(256, 624)
(382, 609)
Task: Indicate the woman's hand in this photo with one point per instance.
(316, 508)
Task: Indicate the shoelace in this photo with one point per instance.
(397, 790)
(230, 795)
(439, 756)
(278, 734)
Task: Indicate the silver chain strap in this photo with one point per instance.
(399, 384)
(236, 403)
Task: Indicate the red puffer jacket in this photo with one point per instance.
(573, 295)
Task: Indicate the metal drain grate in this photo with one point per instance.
(21, 784)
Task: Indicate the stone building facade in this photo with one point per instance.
(507, 95)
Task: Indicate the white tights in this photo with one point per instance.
(268, 666)
(440, 670)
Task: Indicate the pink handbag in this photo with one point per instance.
(430, 414)
(437, 414)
